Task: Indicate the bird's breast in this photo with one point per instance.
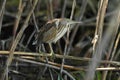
(60, 33)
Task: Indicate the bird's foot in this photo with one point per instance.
(52, 55)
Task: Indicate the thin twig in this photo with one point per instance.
(83, 7)
(64, 8)
(98, 46)
(1, 14)
(34, 20)
(73, 9)
(118, 52)
(116, 26)
(115, 47)
(99, 23)
(58, 56)
(73, 67)
(66, 44)
(31, 36)
(21, 7)
(49, 9)
(17, 21)
(11, 55)
(44, 64)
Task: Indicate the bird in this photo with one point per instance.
(53, 30)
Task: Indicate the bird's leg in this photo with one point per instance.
(68, 29)
(52, 52)
(39, 49)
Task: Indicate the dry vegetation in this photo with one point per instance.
(90, 52)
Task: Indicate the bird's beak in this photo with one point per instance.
(75, 22)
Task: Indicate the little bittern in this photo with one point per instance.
(53, 30)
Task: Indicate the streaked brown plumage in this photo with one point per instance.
(53, 30)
